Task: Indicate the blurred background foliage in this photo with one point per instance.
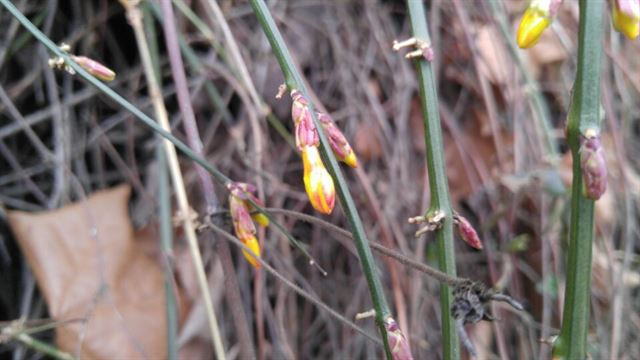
(503, 113)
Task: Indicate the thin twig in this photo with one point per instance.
(135, 19)
(401, 258)
(291, 285)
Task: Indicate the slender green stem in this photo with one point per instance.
(438, 185)
(166, 239)
(294, 80)
(584, 113)
(43, 347)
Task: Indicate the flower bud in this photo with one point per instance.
(317, 181)
(254, 246)
(94, 68)
(305, 129)
(398, 344)
(535, 20)
(339, 144)
(593, 165)
(246, 191)
(625, 16)
(467, 232)
(242, 224)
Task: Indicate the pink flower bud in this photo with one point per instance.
(245, 192)
(305, 129)
(339, 144)
(242, 223)
(243, 226)
(398, 344)
(593, 165)
(95, 68)
(467, 232)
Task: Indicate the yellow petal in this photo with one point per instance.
(628, 25)
(531, 27)
(254, 246)
(261, 219)
(317, 181)
(351, 160)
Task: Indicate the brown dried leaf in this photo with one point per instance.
(74, 249)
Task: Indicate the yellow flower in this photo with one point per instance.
(533, 23)
(625, 16)
(317, 181)
(536, 18)
(254, 246)
(243, 226)
(350, 159)
(261, 219)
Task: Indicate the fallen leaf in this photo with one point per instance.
(87, 265)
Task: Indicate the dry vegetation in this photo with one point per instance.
(61, 140)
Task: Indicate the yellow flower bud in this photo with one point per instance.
(533, 23)
(254, 246)
(261, 219)
(351, 159)
(625, 16)
(317, 181)
(244, 228)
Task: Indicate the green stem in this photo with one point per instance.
(294, 80)
(438, 185)
(584, 113)
(43, 347)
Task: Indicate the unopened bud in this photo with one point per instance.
(339, 144)
(95, 68)
(625, 16)
(305, 129)
(317, 181)
(535, 20)
(593, 165)
(467, 232)
(243, 226)
(254, 252)
(398, 344)
(245, 192)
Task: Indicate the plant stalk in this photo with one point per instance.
(134, 16)
(166, 240)
(438, 185)
(293, 80)
(233, 295)
(583, 114)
